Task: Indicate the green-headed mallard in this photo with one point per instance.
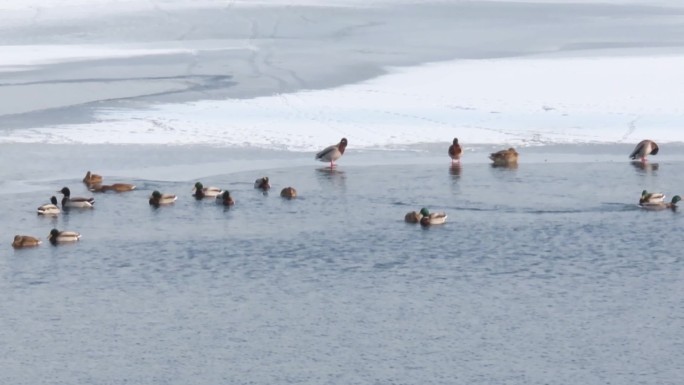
(429, 219)
(332, 153)
(57, 236)
(199, 191)
(262, 184)
(504, 157)
(117, 187)
(49, 208)
(647, 197)
(288, 192)
(21, 241)
(643, 149)
(455, 151)
(158, 199)
(225, 199)
(662, 205)
(78, 202)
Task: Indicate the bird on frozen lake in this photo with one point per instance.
(455, 151)
(332, 153)
(643, 149)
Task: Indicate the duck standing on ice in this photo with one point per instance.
(332, 153)
(643, 149)
(455, 151)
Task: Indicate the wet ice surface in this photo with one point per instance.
(548, 273)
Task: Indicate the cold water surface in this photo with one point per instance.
(544, 274)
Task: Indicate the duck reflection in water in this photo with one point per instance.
(644, 167)
(510, 166)
(455, 169)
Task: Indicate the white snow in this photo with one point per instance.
(610, 99)
(607, 96)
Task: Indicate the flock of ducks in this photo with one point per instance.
(94, 182)
(503, 158)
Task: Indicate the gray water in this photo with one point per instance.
(544, 274)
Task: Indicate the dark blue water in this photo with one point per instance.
(544, 274)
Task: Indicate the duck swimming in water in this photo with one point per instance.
(430, 219)
(672, 205)
(92, 179)
(225, 199)
(647, 197)
(50, 208)
(78, 202)
(22, 241)
(158, 199)
(116, 187)
(288, 192)
(262, 184)
(57, 236)
(199, 191)
(504, 157)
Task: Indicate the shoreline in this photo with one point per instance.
(43, 165)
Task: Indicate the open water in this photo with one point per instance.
(548, 273)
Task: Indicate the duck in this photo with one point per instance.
(288, 192)
(455, 151)
(49, 208)
(199, 191)
(413, 217)
(78, 202)
(21, 241)
(647, 197)
(225, 199)
(504, 157)
(158, 199)
(117, 187)
(662, 205)
(262, 184)
(429, 219)
(92, 179)
(643, 149)
(57, 236)
(332, 153)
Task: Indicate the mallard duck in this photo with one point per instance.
(643, 149)
(117, 187)
(288, 192)
(332, 153)
(158, 199)
(21, 241)
(57, 236)
(413, 217)
(662, 205)
(92, 179)
(455, 151)
(647, 197)
(429, 219)
(199, 191)
(262, 184)
(504, 157)
(78, 202)
(225, 199)
(49, 208)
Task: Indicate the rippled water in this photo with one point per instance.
(544, 274)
